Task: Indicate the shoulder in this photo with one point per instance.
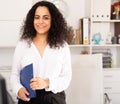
(65, 45)
(21, 47)
(22, 44)
(65, 50)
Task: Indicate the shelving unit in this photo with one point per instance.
(101, 22)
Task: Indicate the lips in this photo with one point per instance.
(40, 27)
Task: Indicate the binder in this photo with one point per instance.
(85, 30)
(77, 36)
(26, 74)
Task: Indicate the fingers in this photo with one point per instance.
(26, 92)
(23, 93)
(27, 99)
(37, 83)
(34, 79)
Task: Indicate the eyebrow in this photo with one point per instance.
(43, 15)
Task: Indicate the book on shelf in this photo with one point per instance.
(78, 37)
(84, 28)
(117, 28)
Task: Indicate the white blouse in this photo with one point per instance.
(55, 65)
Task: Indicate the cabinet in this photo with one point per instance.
(86, 85)
(12, 15)
(103, 35)
(102, 23)
(105, 30)
(111, 80)
(15, 9)
(9, 33)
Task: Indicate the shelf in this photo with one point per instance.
(7, 47)
(103, 21)
(93, 45)
(100, 22)
(107, 45)
(111, 69)
(78, 45)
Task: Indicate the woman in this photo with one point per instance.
(43, 45)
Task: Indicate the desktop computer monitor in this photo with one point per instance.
(5, 97)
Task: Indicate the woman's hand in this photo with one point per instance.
(39, 83)
(23, 93)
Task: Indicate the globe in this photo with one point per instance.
(97, 38)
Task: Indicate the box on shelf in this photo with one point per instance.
(100, 9)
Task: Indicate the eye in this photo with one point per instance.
(46, 17)
(36, 17)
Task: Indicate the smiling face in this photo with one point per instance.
(42, 20)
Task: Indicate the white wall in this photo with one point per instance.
(77, 10)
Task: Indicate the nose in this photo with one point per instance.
(40, 20)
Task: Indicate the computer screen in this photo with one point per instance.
(5, 97)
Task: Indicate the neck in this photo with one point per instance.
(40, 39)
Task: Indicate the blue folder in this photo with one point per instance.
(26, 75)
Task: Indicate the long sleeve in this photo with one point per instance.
(62, 81)
(55, 65)
(15, 76)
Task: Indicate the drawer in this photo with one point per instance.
(111, 76)
(111, 87)
(114, 97)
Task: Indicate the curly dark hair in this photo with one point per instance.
(58, 29)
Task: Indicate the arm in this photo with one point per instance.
(18, 89)
(15, 77)
(62, 81)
